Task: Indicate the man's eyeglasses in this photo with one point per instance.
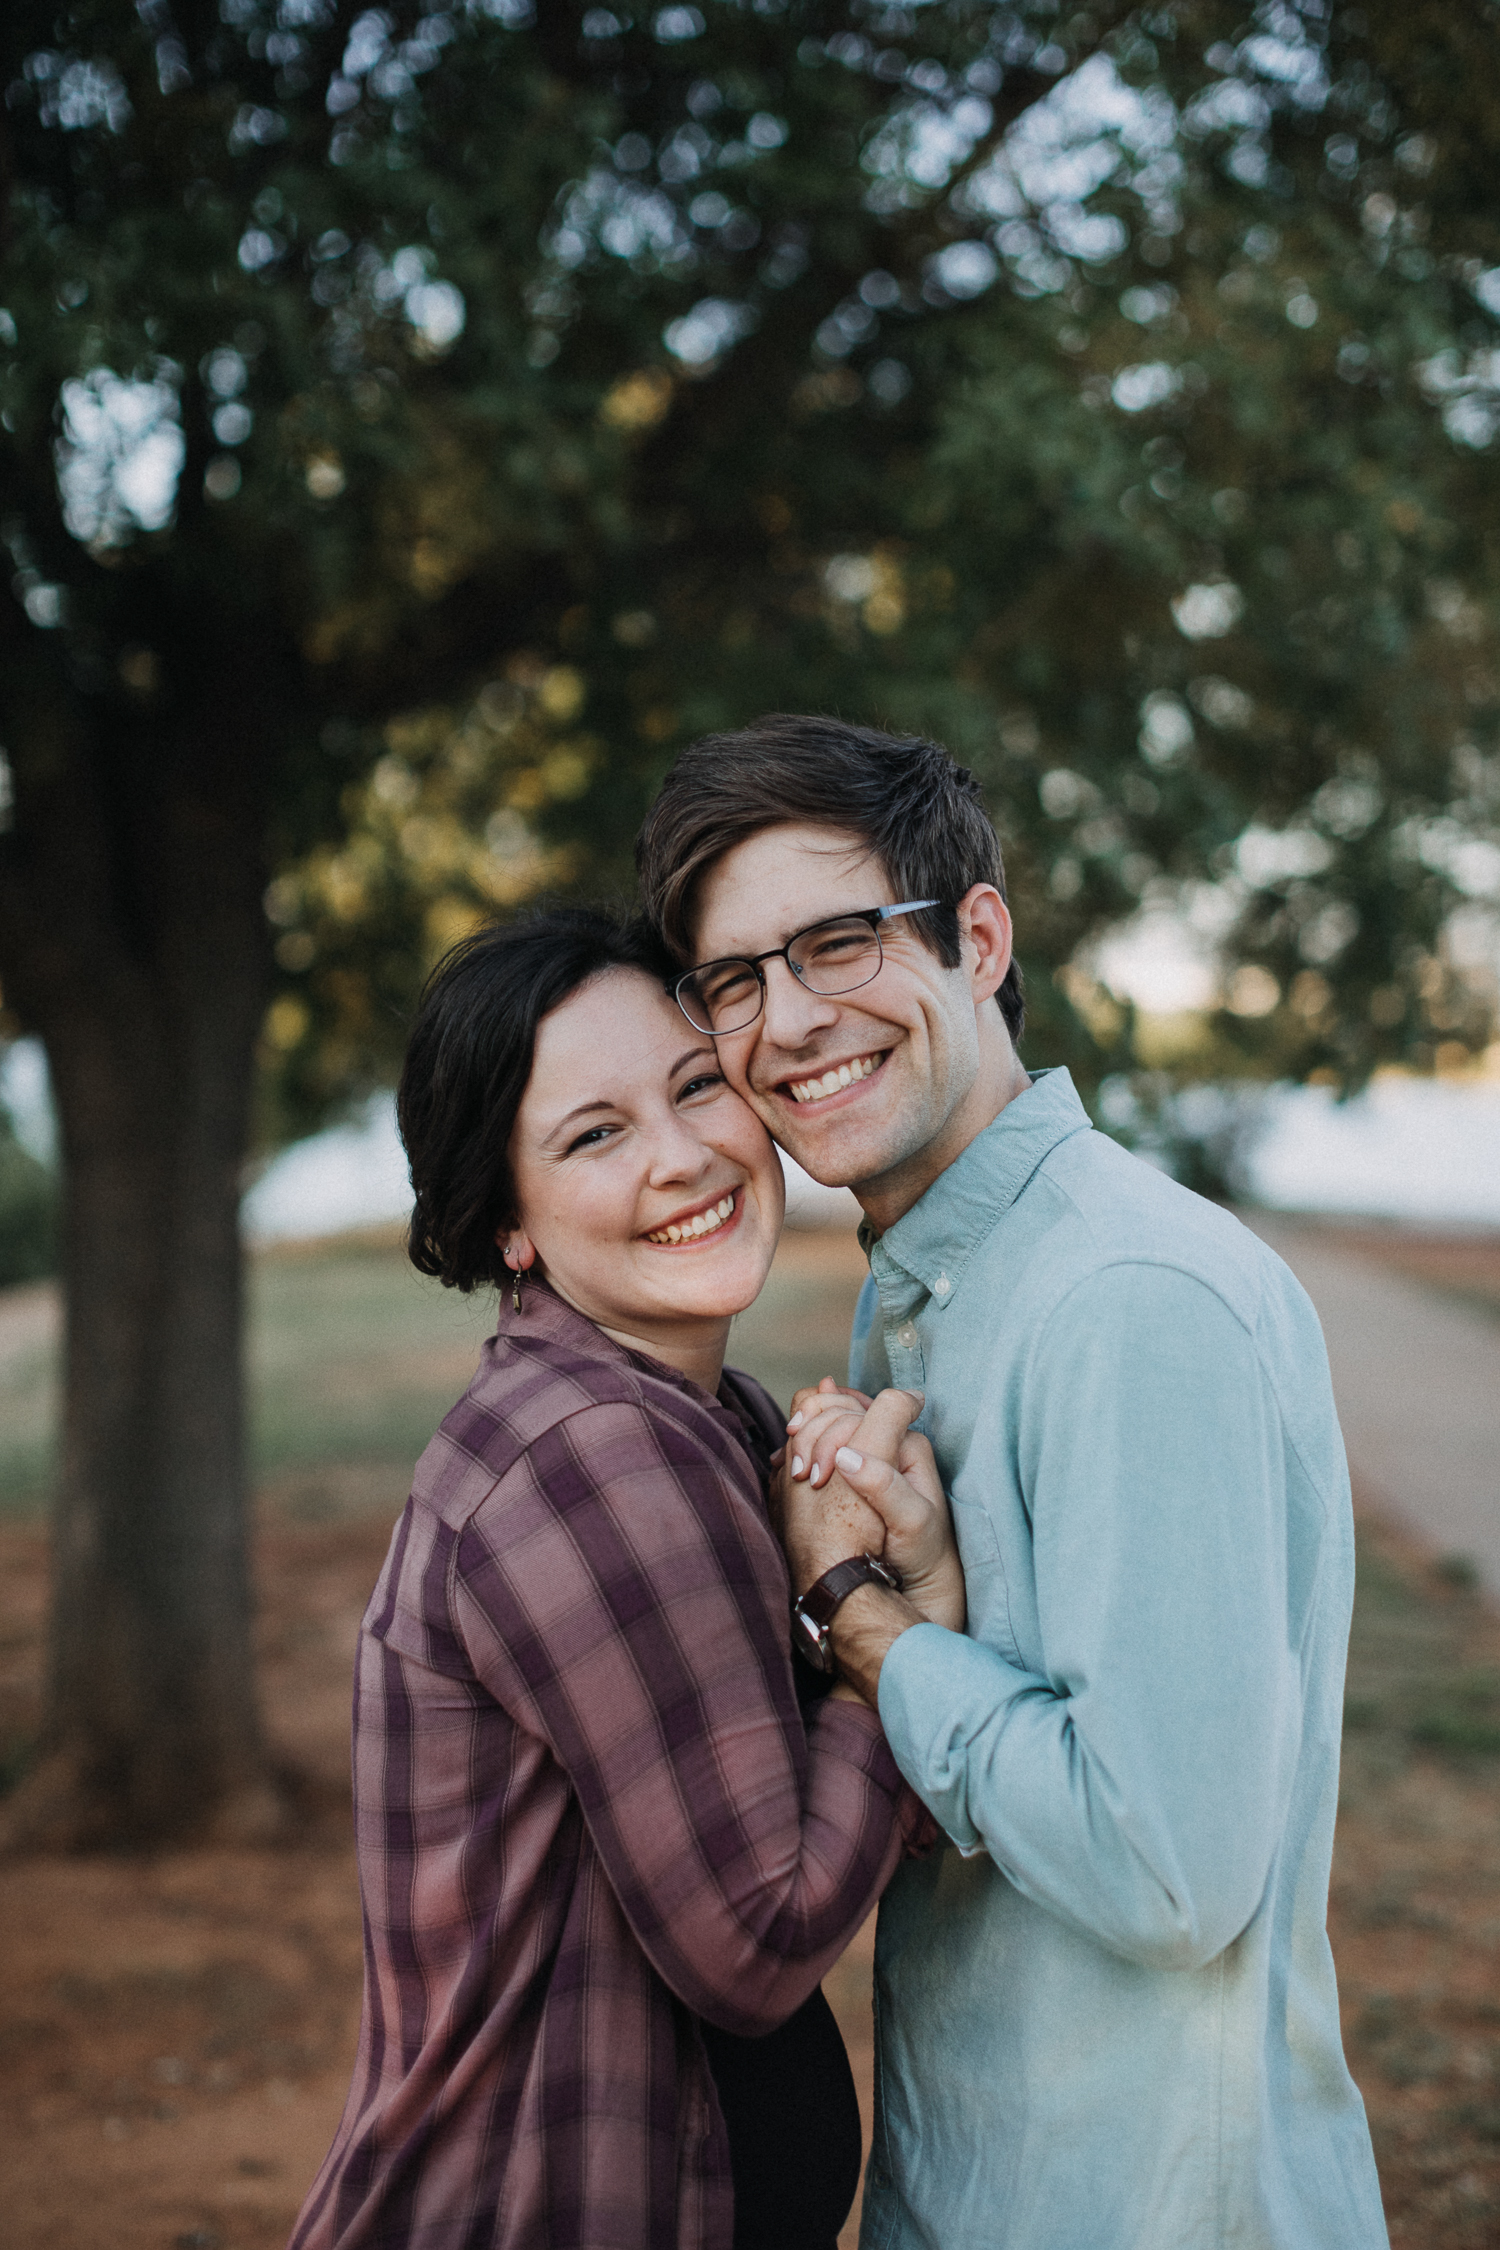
(829, 958)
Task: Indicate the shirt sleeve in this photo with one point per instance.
(622, 1595)
(1138, 1784)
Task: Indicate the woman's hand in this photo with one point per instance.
(882, 1496)
(821, 1421)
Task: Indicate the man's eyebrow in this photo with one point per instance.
(748, 952)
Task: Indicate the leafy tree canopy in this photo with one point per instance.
(498, 400)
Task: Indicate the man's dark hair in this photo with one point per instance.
(921, 815)
(467, 1064)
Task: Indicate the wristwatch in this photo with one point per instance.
(813, 1614)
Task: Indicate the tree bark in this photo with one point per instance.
(132, 940)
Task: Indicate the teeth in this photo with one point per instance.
(834, 1081)
(691, 1230)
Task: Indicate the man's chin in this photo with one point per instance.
(831, 1160)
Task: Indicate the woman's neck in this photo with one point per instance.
(695, 1350)
(695, 1347)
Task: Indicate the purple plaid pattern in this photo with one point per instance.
(587, 1812)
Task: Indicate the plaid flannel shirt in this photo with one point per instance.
(587, 1812)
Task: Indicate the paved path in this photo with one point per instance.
(1417, 1379)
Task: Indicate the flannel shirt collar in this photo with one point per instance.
(545, 1316)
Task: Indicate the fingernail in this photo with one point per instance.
(847, 1458)
(796, 1464)
(816, 1473)
(795, 1423)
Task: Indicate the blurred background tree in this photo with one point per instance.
(419, 420)
(28, 1211)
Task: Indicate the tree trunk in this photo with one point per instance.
(132, 940)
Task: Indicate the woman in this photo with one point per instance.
(601, 1854)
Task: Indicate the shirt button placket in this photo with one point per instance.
(903, 1351)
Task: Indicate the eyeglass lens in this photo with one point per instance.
(831, 958)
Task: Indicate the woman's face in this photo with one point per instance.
(650, 1192)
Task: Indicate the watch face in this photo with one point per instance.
(812, 1641)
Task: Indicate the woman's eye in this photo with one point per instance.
(595, 1137)
(705, 1084)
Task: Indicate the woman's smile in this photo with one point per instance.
(687, 1229)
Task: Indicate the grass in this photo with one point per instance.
(354, 1358)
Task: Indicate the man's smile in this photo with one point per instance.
(834, 1080)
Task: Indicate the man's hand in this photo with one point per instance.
(908, 1496)
(884, 1497)
(819, 1529)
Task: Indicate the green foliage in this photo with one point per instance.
(552, 389)
(28, 1211)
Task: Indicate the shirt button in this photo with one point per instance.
(942, 1285)
(906, 1335)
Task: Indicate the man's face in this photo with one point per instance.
(909, 1041)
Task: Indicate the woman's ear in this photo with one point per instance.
(517, 1249)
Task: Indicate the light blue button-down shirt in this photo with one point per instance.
(1108, 2020)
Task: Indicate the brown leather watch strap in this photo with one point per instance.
(813, 1614)
(824, 1595)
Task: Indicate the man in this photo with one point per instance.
(1107, 2020)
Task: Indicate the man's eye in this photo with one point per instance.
(723, 986)
(838, 945)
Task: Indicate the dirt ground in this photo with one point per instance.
(176, 2032)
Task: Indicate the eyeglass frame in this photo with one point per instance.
(874, 915)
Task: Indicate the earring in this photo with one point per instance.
(517, 1274)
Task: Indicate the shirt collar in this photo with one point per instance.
(934, 1241)
(544, 1315)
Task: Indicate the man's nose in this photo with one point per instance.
(791, 1014)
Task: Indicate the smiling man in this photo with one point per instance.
(1107, 2017)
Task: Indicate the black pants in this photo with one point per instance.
(794, 2143)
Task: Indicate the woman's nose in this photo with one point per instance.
(678, 1151)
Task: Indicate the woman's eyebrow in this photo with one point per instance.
(584, 1109)
(693, 1054)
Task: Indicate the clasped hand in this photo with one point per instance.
(857, 1479)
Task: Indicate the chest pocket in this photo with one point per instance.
(974, 1528)
(986, 1581)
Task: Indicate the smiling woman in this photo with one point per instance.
(609, 1838)
(645, 1191)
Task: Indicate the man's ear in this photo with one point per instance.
(985, 929)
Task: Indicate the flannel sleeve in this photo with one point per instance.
(621, 1594)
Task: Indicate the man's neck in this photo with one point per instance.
(892, 1194)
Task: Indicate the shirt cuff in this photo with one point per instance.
(937, 1690)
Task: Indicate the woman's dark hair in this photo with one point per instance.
(922, 816)
(467, 1064)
